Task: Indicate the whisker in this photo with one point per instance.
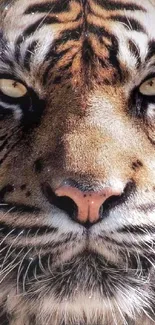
(20, 268)
(7, 253)
(9, 271)
(25, 275)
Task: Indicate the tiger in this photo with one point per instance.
(77, 162)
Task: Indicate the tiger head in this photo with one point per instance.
(77, 159)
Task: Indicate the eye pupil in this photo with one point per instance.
(151, 83)
(14, 84)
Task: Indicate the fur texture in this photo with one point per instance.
(83, 121)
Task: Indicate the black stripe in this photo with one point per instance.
(73, 34)
(98, 31)
(113, 241)
(52, 244)
(113, 5)
(46, 246)
(30, 30)
(113, 48)
(27, 231)
(129, 23)
(29, 53)
(87, 52)
(7, 61)
(135, 50)
(39, 23)
(69, 34)
(9, 150)
(54, 58)
(48, 7)
(53, 55)
(4, 50)
(141, 229)
(151, 50)
(3, 137)
(17, 47)
(68, 65)
(113, 58)
(4, 145)
(61, 71)
(145, 246)
(18, 208)
(123, 244)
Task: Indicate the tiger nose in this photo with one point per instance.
(88, 203)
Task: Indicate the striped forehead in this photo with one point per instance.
(111, 30)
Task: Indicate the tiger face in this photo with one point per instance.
(77, 162)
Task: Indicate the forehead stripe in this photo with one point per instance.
(32, 29)
(135, 50)
(151, 50)
(29, 53)
(46, 7)
(129, 23)
(95, 32)
(113, 5)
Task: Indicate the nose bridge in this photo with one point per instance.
(95, 147)
(83, 147)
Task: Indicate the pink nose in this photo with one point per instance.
(88, 203)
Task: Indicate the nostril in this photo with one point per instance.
(68, 205)
(64, 203)
(110, 203)
(116, 200)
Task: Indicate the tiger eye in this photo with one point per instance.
(148, 87)
(12, 88)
